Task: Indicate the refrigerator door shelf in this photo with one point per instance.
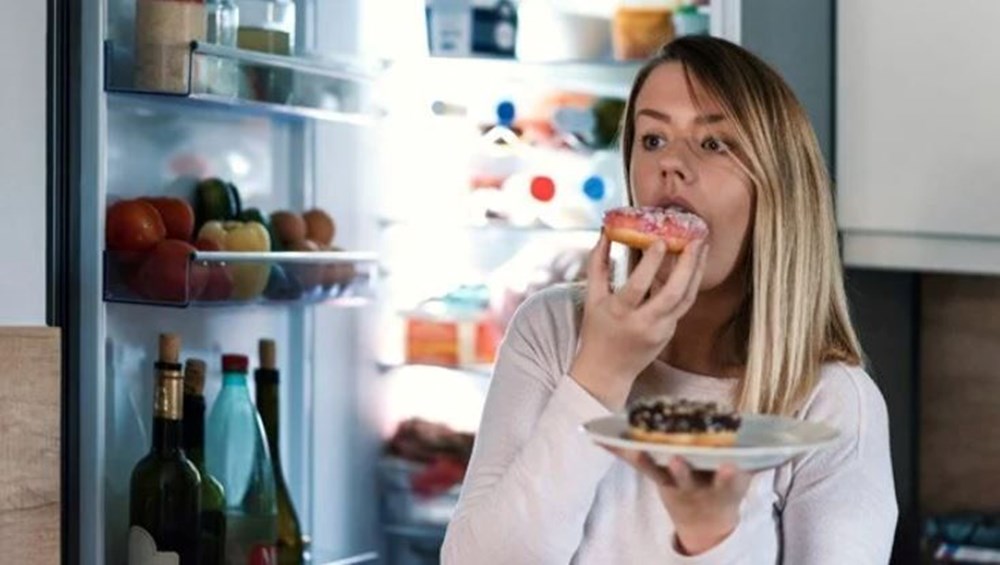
(598, 77)
(324, 557)
(241, 80)
(217, 278)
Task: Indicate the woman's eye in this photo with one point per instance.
(715, 145)
(651, 142)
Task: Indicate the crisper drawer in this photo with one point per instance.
(413, 545)
(414, 523)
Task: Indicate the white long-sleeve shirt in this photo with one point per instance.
(538, 491)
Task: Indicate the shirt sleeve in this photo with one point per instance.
(533, 474)
(841, 502)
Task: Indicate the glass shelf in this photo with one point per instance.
(326, 557)
(604, 77)
(481, 371)
(416, 532)
(488, 226)
(297, 87)
(219, 278)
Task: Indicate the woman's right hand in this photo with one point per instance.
(623, 331)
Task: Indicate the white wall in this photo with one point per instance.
(22, 163)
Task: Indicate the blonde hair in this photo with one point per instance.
(794, 317)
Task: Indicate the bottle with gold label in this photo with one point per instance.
(165, 489)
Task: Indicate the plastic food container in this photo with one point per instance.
(460, 28)
(690, 20)
(401, 505)
(547, 33)
(638, 29)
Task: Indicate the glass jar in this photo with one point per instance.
(221, 74)
(164, 30)
(267, 26)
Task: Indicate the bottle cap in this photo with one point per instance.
(593, 187)
(194, 376)
(505, 113)
(233, 363)
(543, 189)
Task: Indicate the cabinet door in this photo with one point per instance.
(918, 128)
(30, 407)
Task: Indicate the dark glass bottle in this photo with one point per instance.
(213, 500)
(165, 488)
(290, 541)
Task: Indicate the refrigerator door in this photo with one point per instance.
(135, 144)
(342, 417)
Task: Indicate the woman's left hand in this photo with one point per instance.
(704, 505)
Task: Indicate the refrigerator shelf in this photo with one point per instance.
(478, 371)
(218, 278)
(497, 227)
(416, 532)
(324, 557)
(240, 80)
(600, 77)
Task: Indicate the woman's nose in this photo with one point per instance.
(677, 161)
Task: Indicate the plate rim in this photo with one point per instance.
(731, 451)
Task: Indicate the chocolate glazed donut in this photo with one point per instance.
(664, 419)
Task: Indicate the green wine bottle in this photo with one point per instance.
(213, 500)
(165, 489)
(290, 541)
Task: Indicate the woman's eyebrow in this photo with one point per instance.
(665, 118)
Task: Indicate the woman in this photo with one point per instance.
(754, 316)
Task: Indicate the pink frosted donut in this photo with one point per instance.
(640, 227)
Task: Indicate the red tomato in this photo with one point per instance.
(166, 276)
(264, 555)
(220, 281)
(205, 244)
(177, 214)
(133, 225)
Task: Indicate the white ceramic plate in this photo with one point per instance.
(763, 442)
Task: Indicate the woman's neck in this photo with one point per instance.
(695, 346)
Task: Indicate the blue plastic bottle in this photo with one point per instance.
(237, 455)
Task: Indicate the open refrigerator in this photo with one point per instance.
(385, 367)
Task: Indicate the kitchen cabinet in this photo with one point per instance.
(22, 160)
(918, 124)
(30, 402)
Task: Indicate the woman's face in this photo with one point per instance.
(681, 156)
